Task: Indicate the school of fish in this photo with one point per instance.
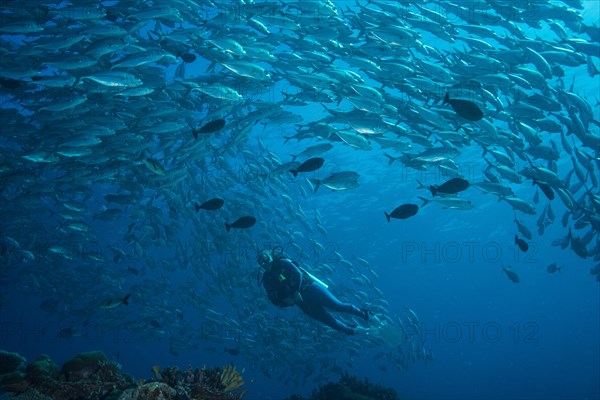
(135, 148)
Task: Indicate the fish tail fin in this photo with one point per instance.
(421, 186)
(591, 68)
(390, 158)
(287, 139)
(227, 226)
(424, 200)
(433, 189)
(293, 157)
(196, 206)
(294, 172)
(126, 299)
(211, 66)
(447, 98)
(314, 183)
(387, 216)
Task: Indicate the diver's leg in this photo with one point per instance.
(316, 311)
(325, 298)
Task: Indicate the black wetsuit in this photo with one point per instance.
(283, 279)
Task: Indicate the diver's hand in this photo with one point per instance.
(290, 301)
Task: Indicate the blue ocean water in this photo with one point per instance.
(490, 337)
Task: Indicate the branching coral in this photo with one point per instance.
(231, 379)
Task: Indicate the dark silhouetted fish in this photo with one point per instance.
(114, 302)
(552, 268)
(188, 57)
(465, 108)
(451, 186)
(246, 221)
(521, 243)
(577, 245)
(512, 275)
(69, 332)
(547, 189)
(212, 204)
(211, 127)
(155, 324)
(523, 229)
(402, 212)
(312, 164)
(8, 83)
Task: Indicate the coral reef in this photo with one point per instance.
(350, 387)
(92, 376)
(205, 384)
(10, 362)
(83, 365)
(40, 368)
(12, 372)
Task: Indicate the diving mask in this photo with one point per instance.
(264, 257)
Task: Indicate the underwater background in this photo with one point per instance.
(101, 181)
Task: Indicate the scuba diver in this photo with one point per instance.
(287, 284)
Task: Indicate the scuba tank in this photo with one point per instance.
(314, 278)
